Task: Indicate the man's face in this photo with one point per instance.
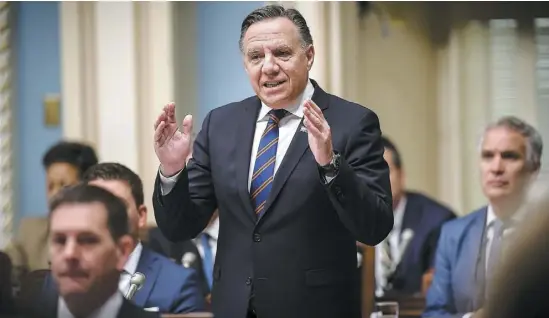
(84, 256)
(503, 164)
(276, 62)
(396, 176)
(136, 215)
(60, 175)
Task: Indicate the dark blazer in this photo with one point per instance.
(172, 288)
(46, 306)
(175, 250)
(299, 258)
(454, 290)
(424, 216)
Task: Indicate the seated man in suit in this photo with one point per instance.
(407, 253)
(198, 253)
(64, 163)
(168, 287)
(469, 247)
(89, 245)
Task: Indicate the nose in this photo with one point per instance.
(270, 66)
(70, 250)
(496, 166)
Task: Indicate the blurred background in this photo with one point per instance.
(99, 72)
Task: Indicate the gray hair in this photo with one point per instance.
(534, 143)
(277, 11)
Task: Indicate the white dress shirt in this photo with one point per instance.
(394, 240)
(287, 128)
(130, 268)
(109, 309)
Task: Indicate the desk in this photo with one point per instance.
(409, 306)
(189, 315)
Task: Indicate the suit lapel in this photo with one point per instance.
(297, 148)
(244, 141)
(149, 267)
(475, 248)
(410, 220)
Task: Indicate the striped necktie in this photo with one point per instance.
(263, 175)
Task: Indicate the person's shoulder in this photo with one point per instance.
(459, 224)
(433, 205)
(230, 108)
(171, 270)
(348, 107)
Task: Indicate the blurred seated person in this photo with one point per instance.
(65, 164)
(521, 284)
(168, 287)
(198, 253)
(408, 252)
(89, 246)
(469, 249)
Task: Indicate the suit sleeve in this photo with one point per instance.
(190, 297)
(440, 300)
(361, 192)
(187, 208)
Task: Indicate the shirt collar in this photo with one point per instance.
(213, 229)
(296, 109)
(133, 260)
(491, 217)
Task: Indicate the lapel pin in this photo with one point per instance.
(303, 129)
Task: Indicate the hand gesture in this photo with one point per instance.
(172, 145)
(320, 136)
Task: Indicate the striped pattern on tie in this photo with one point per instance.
(263, 175)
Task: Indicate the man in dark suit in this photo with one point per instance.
(89, 245)
(198, 253)
(470, 248)
(287, 241)
(410, 247)
(168, 287)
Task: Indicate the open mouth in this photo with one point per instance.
(273, 84)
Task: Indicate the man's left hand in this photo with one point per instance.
(319, 134)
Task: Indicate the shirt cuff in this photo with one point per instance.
(468, 315)
(167, 183)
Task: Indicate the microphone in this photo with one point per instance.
(188, 259)
(136, 282)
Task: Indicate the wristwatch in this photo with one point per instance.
(332, 168)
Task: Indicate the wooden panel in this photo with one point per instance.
(368, 280)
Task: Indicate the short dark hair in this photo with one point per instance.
(389, 145)
(118, 172)
(117, 215)
(274, 11)
(80, 155)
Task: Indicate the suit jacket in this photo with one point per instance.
(171, 288)
(175, 250)
(454, 290)
(424, 216)
(299, 258)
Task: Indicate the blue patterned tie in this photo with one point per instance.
(263, 176)
(207, 261)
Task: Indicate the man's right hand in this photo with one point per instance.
(171, 144)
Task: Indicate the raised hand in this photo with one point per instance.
(320, 136)
(171, 144)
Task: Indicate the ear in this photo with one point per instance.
(142, 213)
(123, 250)
(310, 54)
